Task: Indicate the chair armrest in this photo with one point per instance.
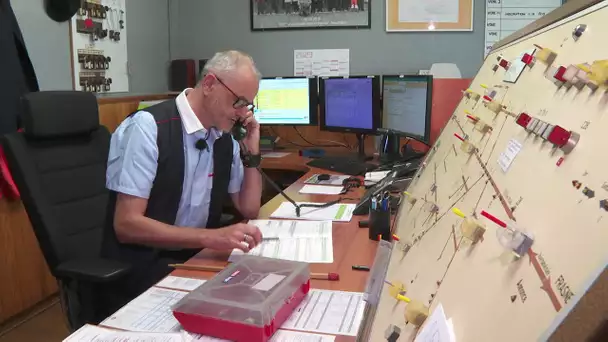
(93, 270)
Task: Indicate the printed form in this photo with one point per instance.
(330, 312)
(180, 283)
(279, 336)
(339, 212)
(150, 312)
(91, 333)
(305, 241)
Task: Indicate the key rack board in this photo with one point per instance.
(99, 47)
(506, 223)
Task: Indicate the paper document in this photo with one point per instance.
(506, 158)
(305, 241)
(150, 311)
(324, 62)
(190, 337)
(274, 154)
(434, 11)
(333, 180)
(376, 175)
(279, 336)
(180, 283)
(92, 333)
(330, 312)
(436, 328)
(321, 189)
(340, 212)
(296, 336)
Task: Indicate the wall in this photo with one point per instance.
(48, 44)
(199, 28)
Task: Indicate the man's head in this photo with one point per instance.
(229, 83)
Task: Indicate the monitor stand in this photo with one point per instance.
(361, 153)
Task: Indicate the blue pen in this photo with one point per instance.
(384, 204)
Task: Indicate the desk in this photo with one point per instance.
(351, 244)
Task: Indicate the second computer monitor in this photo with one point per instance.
(350, 104)
(406, 104)
(286, 101)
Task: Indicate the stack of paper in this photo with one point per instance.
(340, 212)
(305, 241)
(329, 312)
(321, 189)
(333, 180)
(376, 176)
(180, 283)
(149, 312)
(91, 333)
(148, 317)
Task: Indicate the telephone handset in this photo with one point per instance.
(239, 132)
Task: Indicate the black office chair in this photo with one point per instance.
(59, 165)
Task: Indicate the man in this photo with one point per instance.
(172, 166)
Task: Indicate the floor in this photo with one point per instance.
(46, 326)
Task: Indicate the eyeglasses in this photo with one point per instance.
(240, 101)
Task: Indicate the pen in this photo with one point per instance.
(270, 239)
(360, 268)
(374, 201)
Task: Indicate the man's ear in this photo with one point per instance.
(207, 83)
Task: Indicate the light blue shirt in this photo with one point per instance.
(133, 160)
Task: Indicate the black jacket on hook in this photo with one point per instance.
(17, 75)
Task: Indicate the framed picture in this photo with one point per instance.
(267, 15)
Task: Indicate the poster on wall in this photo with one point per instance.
(323, 62)
(429, 15)
(269, 15)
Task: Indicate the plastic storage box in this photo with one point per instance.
(247, 301)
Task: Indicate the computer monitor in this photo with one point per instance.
(406, 104)
(350, 104)
(286, 101)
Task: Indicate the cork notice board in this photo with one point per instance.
(429, 15)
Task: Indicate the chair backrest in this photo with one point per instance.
(58, 164)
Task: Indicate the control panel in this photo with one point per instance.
(505, 226)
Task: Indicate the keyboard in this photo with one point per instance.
(346, 165)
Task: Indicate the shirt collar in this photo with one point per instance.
(190, 121)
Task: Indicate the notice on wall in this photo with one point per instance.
(503, 17)
(324, 62)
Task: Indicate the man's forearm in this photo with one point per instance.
(145, 231)
(250, 195)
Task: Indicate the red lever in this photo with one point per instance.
(527, 59)
(559, 74)
(559, 136)
(493, 219)
(523, 120)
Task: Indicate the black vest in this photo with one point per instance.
(166, 190)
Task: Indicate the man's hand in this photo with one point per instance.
(241, 235)
(252, 140)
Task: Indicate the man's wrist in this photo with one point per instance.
(251, 160)
(205, 238)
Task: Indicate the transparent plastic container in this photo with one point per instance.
(247, 301)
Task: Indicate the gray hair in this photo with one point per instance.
(229, 61)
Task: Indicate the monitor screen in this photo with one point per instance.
(406, 104)
(350, 104)
(286, 101)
